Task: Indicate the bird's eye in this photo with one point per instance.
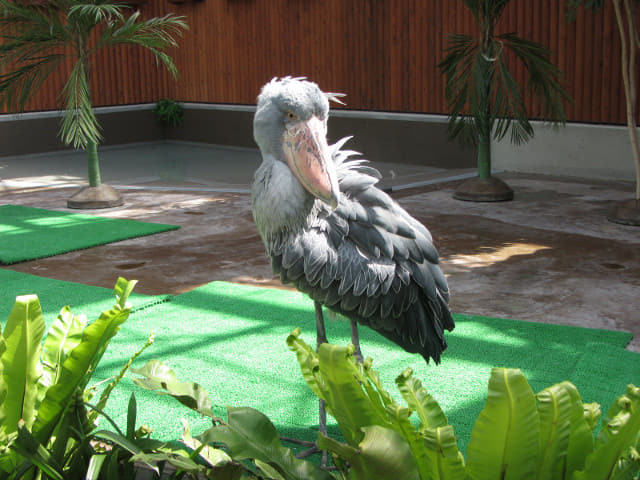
(292, 116)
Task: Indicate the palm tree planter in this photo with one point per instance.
(36, 40)
(484, 99)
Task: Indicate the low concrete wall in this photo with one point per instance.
(579, 150)
(37, 132)
(384, 137)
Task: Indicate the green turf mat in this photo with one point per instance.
(55, 294)
(29, 233)
(231, 340)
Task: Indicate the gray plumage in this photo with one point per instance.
(367, 258)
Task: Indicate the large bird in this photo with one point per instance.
(330, 232)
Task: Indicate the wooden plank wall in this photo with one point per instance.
(382, 53)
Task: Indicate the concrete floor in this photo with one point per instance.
(548, 256)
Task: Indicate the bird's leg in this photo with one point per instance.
(355, 339)
(322, 413)
(320, 330)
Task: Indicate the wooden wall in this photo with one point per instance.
(382, 53)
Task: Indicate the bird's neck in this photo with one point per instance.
(280, 203)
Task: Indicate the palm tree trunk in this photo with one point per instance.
(485, 127)
(93, 164)
(628, 37)
(484, 157)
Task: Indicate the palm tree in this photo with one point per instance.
(37, 39)
(484, 98)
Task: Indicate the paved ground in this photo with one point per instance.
(548, 256)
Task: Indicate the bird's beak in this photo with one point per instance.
(306, 150)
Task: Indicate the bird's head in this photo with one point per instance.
(290, 125)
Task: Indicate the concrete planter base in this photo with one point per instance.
(626, 213)
(102, 196)
(478, 189)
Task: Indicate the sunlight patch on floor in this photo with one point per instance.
(495, 255)
(43, 180)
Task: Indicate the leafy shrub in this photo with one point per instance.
(48, 428)
(45, 422)
(169, 112)
(248, 435)
(518, 435)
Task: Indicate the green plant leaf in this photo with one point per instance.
(417, 398)
(77, 370)
(95, 466)
(382, 454)
(123, 290)
(619, 432)
(28, 447)
(20, 368)
(345, 398)
(628, 466)
(446, 460)
(581, 432)
(128, 445)
(160, 378)
(592, 414)
(555, 411)
(132, 414)
(249, 434)
(504, 440)
(63, 335)
(401, 423)
(308, 361)
(213, 456)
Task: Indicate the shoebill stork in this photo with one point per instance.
(331, 233)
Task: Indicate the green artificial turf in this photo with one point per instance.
(29, 233)
(55, 294)
(231, 340)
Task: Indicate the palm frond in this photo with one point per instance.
(544, 76)
(30, 50)
(156, 35)
(464, 129)
(480, 85)
(458, 67)
(79, 123)
(486, 11)
(96, 13)
(509, 111)
(20, 84)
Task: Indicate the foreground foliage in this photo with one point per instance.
(45, 418)
(518, 435)
(48, 427)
